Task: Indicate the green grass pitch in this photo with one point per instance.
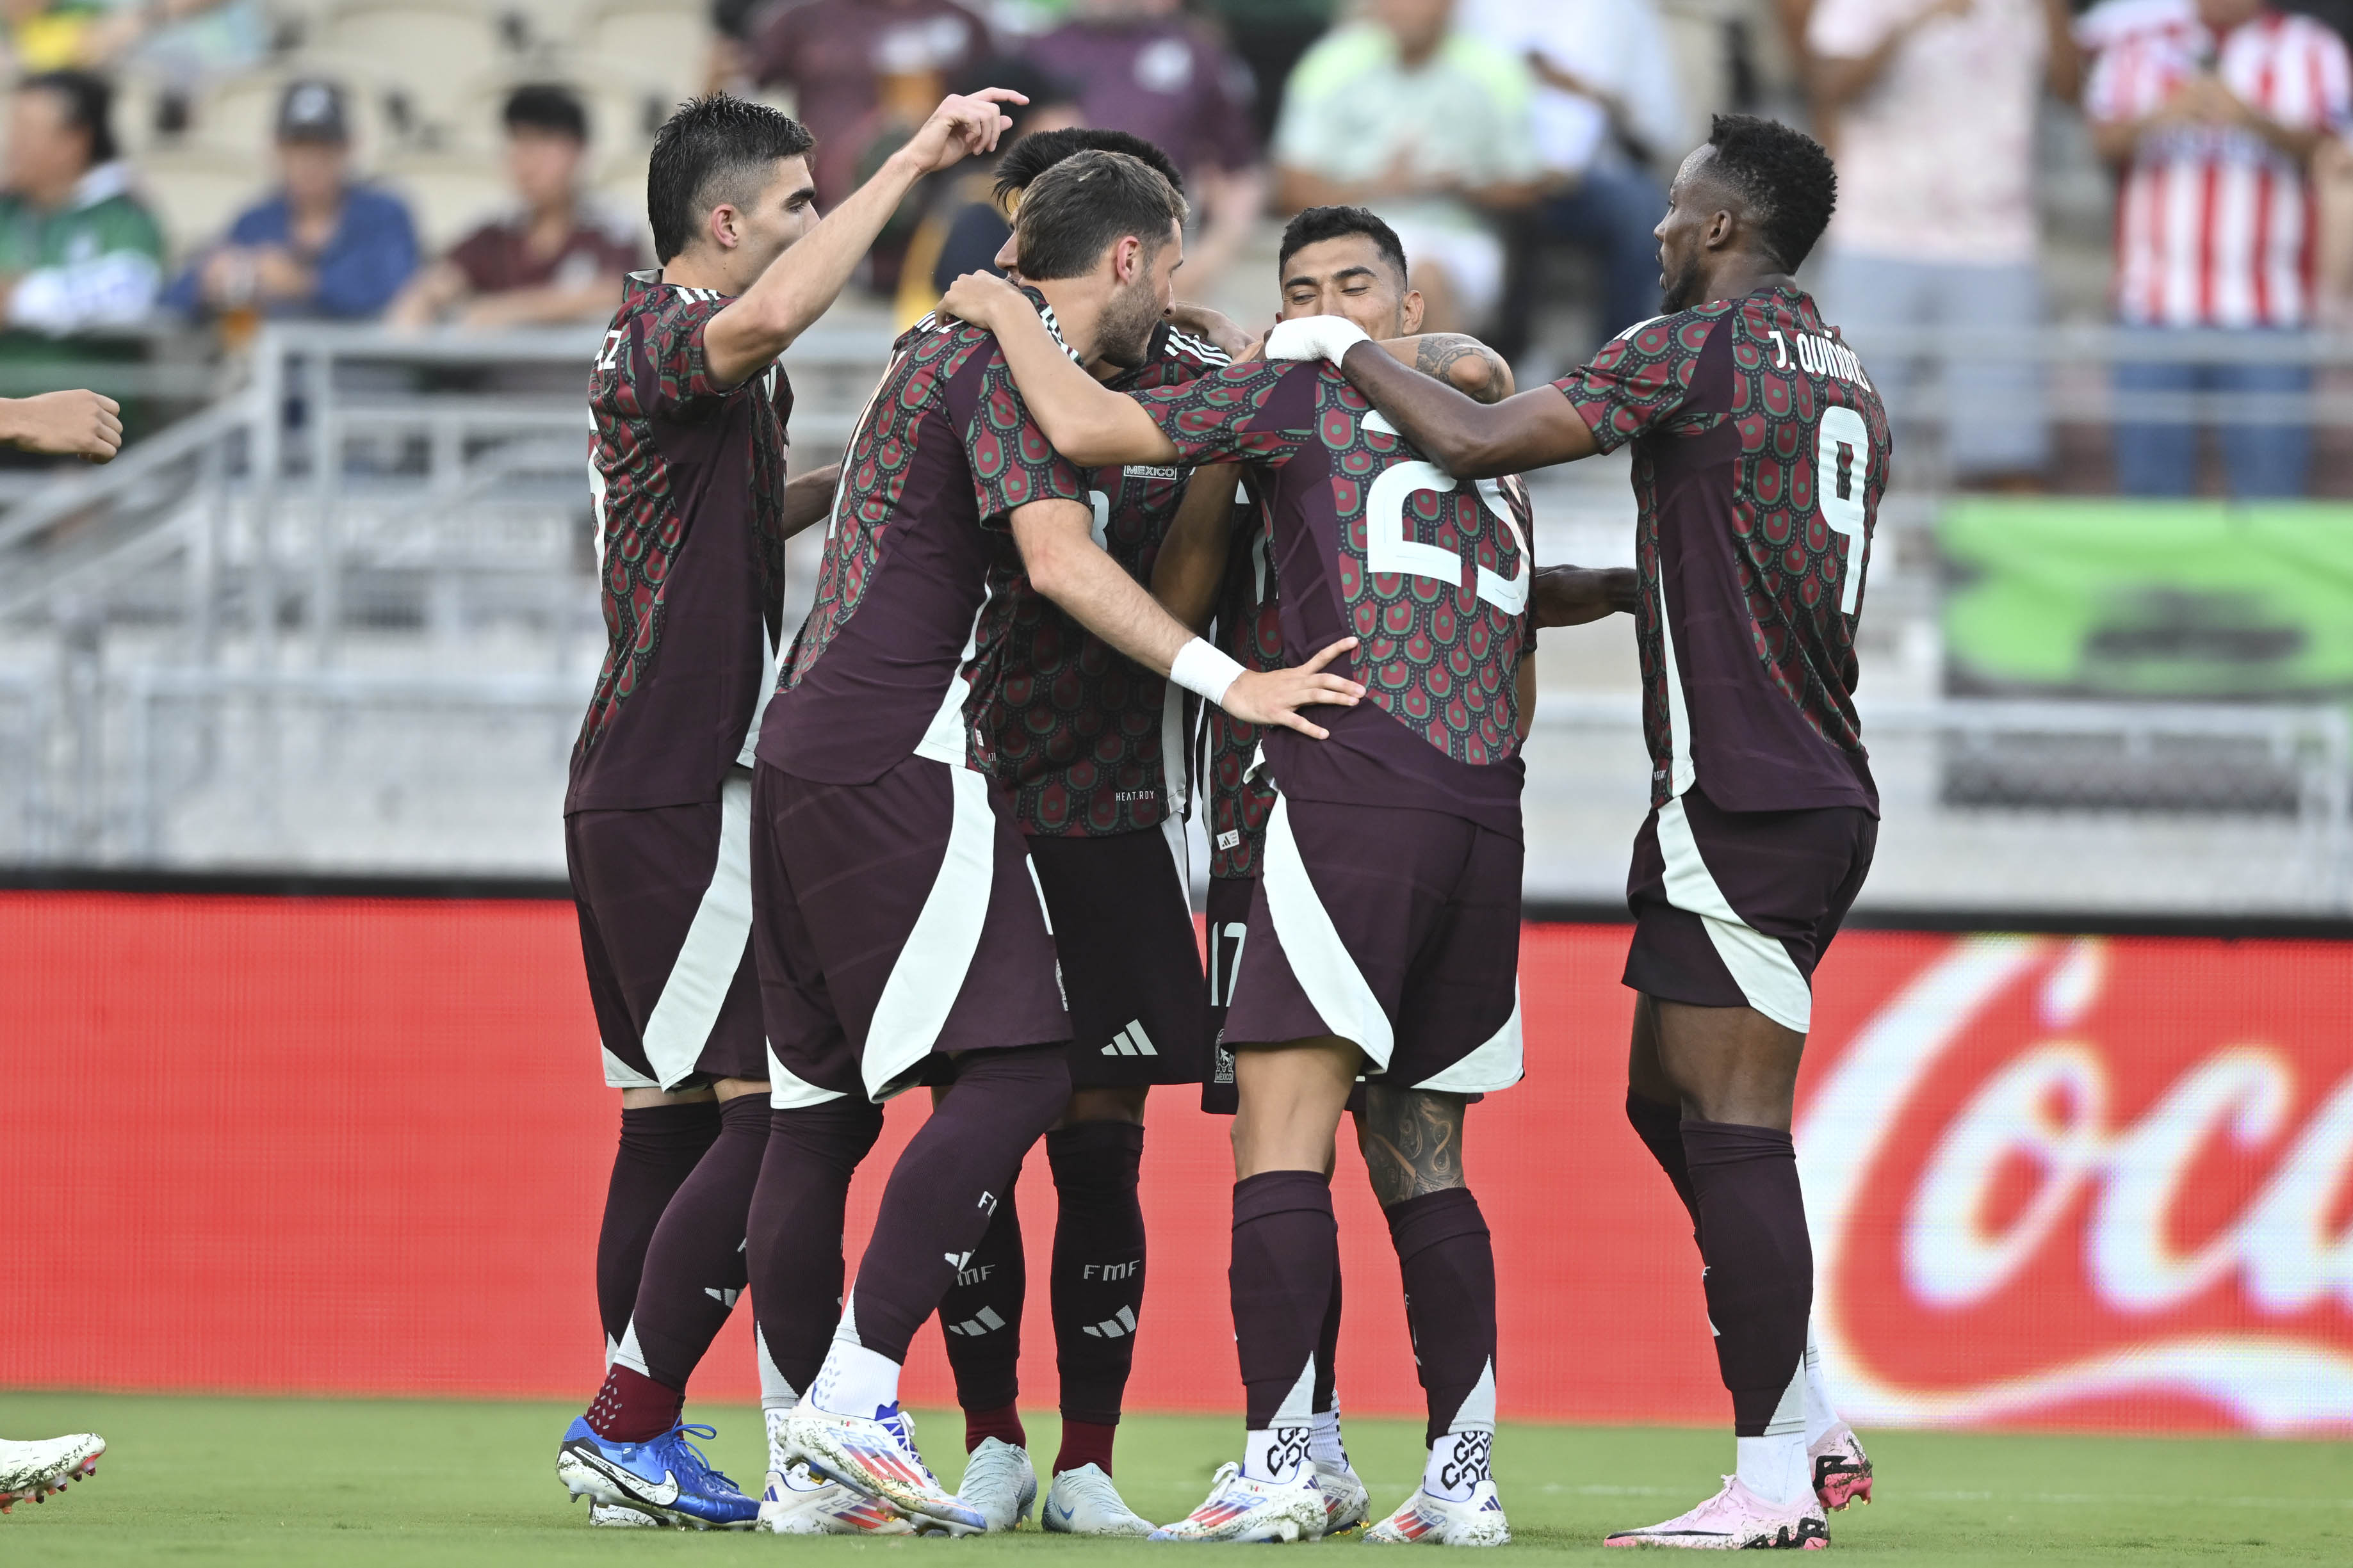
(444, 1485)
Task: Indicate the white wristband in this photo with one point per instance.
(1204, 671)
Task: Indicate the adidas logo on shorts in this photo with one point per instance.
(1130, 1041)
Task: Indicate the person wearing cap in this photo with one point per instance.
(322, 244)
(556, 256)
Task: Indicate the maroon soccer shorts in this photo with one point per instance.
(665, 903)
(1734, 908)
(1229, 922)
(1394, 928)
(897, 922)
(1131, 966)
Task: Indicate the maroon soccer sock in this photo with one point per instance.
(1448, 1263)
(1660, 1128)
(1760, 1261)
(660, 1145)
(980, 1318)
(1002, 1422)
(794, 1236)
(632, 1407)
(946, 1186)
(1085, 1443)
(1327, 1353)
(1098, 1267)
(1286, 1249)
(695, 1266)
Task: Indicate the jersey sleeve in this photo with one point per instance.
(669, 375)
(1640, 380)
(1259, 412)
(1012, 462)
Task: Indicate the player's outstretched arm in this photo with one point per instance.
(808, 499)
(1064, 562)
(801, 285)
(1192, 560)
(1459, 360)
(1088, 423)
(86, 425)
(1572, 596)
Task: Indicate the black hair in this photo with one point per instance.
(1785, 177)
(1088, 203)
(89, 103)
(1042, 88)
(716, 149)
(1033, 155)
(1317, 225)
(546, 106)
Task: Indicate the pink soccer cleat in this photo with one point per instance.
(1841, 1469)
(46, 1464)
(1736, 1519)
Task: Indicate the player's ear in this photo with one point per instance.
(725, 226)
(1410, 311)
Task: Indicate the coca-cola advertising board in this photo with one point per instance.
(360, 1146)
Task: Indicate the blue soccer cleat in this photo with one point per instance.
(665, 1479)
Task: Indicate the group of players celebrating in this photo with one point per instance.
(1095, 561)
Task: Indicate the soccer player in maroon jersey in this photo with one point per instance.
(688, 470)
(899, 931)
(1402, 964)
(1761, 453)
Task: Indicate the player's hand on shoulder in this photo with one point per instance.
(978, 297)
(77, 424)
(1212, 326)
(1313, 337)
(1276, 696)
(964, 125)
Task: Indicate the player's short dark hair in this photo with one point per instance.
(1085, 205)
(716, 149)
(1317, 225)
(88, 100)
(546, 106)
(1784, 176)
(1033, 155)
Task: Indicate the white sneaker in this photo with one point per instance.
(1841, 1469)
(796, 1502)
(1084, 1502)
(1240, 1508)
(1426, 1520)
(613, 1516)
(1346, 1503)
(878, 1458)
(1000, 1483)
(46, 1464)
(1736, 1519)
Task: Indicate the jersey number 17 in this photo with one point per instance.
(1842, 472)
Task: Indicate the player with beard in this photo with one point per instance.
(1761, 453)
(694, 508)
(1400, 965)
(1345, 261)
(900, 935)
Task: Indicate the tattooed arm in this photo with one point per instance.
(1412, 1142)
(1461, 361)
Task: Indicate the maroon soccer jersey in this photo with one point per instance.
(1086, 738)
(1760, 454)
(1372, 541)
(689, 479)
(1249, 630)
(498, 257)
(943, 456)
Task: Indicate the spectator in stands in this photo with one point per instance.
(78, 249)
(1145, 68)
(323, 244)
(1429, 127)
(1270, 36)
(555, 257)
(2214, 124)
(862, 71)
(1608, 110)
(184, 39)
(1933, 104)
(962, 227)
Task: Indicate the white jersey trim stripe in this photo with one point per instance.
(929, 972)
(697, 988)
(1495, 1065)
(1760, 966)
(1320, 961)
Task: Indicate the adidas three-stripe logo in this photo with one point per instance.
(1117, 1328)
(979, 1323)
(1130, 1041)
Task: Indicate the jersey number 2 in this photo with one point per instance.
(1389, 544)
(1841, 469)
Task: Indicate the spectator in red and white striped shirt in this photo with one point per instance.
(2215, 121)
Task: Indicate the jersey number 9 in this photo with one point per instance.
(1842, 472)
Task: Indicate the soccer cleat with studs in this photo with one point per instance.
(1347, 1505)
(1736, 1519)
(1083, 1501)
(46, 1464)
(1841, 1469)
(1240, 1508)
(1000, 1483)
(877, 1456)
(1426, 1520)
(665, 1479)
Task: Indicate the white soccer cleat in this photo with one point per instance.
(1841, 1469)
(46, 1464)
(613, 1516)
(1346, 1502)
(878, 1458)
(1084, 1502)
(1240, 1508)
(1426, 1520)
(794, 1503)
(1736, 1519)
(1000, 1483)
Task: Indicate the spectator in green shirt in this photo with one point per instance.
(78, 248)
